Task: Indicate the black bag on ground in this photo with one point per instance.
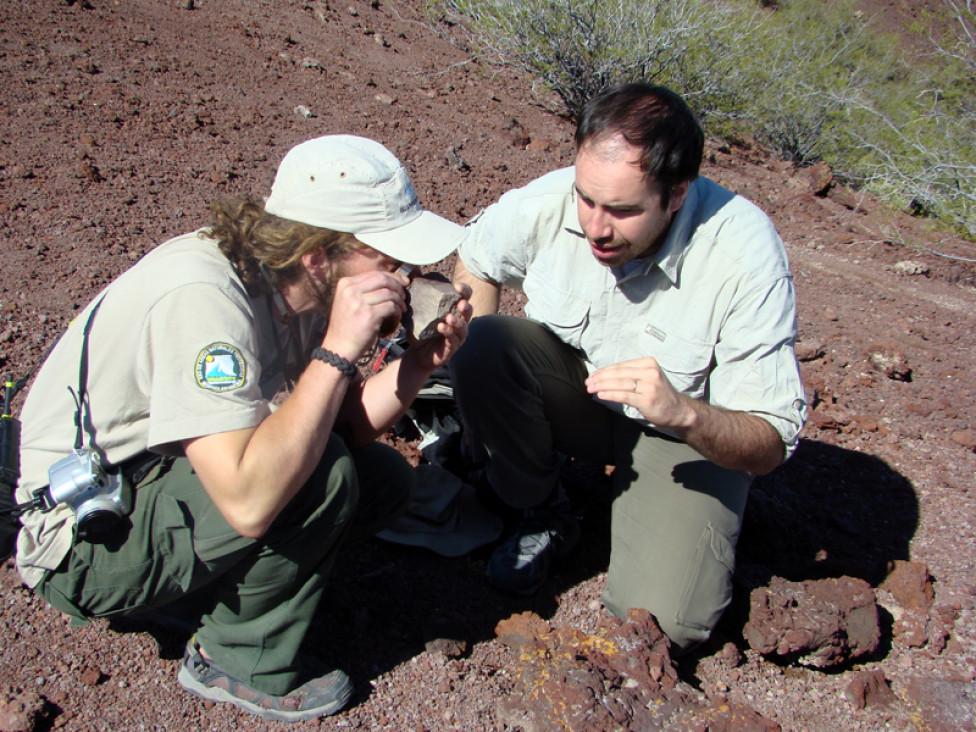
(9, 526)
(9, 475)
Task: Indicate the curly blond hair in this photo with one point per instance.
(251, 238)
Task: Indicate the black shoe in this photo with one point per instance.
(521, 564)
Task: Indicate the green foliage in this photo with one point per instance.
(579, 47)
(817, 56)
(810, 79)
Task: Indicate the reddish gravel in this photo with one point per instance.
(122, 120)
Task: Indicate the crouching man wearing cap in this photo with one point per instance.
(181, 357)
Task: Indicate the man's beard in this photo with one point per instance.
(322, 290)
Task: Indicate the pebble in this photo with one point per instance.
(966, 438)
(910, 268)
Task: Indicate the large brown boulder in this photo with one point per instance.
(820, 623)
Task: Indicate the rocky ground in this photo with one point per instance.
(122, 120)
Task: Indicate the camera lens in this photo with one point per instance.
(99, 525)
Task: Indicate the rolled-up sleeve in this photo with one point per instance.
(493, 247)
(755, 365)
(504, 239)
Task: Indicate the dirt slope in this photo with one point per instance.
(122, 120)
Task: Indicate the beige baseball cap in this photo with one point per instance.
(355, 185)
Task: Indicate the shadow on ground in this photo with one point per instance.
(828, 512)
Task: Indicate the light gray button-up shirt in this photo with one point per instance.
(715, 305)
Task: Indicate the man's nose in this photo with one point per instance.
(598, 227)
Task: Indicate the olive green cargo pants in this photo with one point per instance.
(676, 517)
(257, 597)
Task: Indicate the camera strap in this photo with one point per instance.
(10, 445)
(81, 395)
(10, 432)
(9, 473)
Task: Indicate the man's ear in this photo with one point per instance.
(316, 262)
(678, 194)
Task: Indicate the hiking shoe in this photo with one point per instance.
(522, 563)
(327, 693)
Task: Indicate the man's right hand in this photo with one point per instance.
(364, 304)
(485, 296)
(732, 439)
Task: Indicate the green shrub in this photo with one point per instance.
(815, 57)
(812, 80)
(920, 145)
(579, 47)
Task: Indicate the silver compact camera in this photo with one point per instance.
(100, 498)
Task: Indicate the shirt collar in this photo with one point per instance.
(672, 252)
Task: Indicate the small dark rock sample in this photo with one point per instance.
(870, 689)
(429, 300)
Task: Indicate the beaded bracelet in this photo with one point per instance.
(334, 359)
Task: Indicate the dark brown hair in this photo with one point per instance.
(654, 119)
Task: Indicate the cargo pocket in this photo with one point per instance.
(686, 363)
(708, 588)
(151, 567)
(173, 539)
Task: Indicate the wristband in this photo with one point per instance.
(334, 359)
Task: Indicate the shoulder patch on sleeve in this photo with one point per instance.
(220, 367)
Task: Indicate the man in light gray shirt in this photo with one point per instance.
(659, 339)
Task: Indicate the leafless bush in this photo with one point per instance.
(921, 150)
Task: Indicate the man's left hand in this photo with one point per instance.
(732, 439)
(643, 385)
(437, 350)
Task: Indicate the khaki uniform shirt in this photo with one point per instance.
(177, 350)
(715, 305)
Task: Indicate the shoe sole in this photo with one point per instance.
(190, 684)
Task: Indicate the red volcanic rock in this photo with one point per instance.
(870, 688)
(822, 623)
(911, 585)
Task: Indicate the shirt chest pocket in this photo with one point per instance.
(563, 313)
(686, 362)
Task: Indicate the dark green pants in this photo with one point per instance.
(257, 596)
(676, 516)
